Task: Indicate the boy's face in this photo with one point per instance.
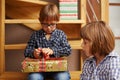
(49, 27)
(86, 47)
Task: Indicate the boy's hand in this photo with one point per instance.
(37, 52)
(47, 51)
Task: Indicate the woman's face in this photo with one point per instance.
(49, 27)
(86, 48)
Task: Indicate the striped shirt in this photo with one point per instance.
(57, 42)
(107, 69)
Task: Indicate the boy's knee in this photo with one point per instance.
(62, 76)
(35, 76)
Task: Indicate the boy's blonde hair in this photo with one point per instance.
(48, 13)
(100, 36)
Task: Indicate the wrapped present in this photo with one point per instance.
(44, 65)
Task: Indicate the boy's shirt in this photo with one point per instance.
(57, 42)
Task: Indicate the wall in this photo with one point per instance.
(114, 20)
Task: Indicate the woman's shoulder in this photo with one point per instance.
(114, 58)
(114, 55)
(89, 59)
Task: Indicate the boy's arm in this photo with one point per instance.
(30, 47)
(64, 49)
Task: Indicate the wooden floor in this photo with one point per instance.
(75, 75)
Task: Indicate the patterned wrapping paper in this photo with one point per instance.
(68, 9)
(44, 65)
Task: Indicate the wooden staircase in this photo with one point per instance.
(26, 12)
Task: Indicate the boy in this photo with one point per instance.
(50, 42)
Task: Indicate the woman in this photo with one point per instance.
(98, 44)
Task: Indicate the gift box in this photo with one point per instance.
(44, 65)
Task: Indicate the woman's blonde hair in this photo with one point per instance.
(100, 36)
(49, 12)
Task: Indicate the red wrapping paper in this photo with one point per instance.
(44, 65)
